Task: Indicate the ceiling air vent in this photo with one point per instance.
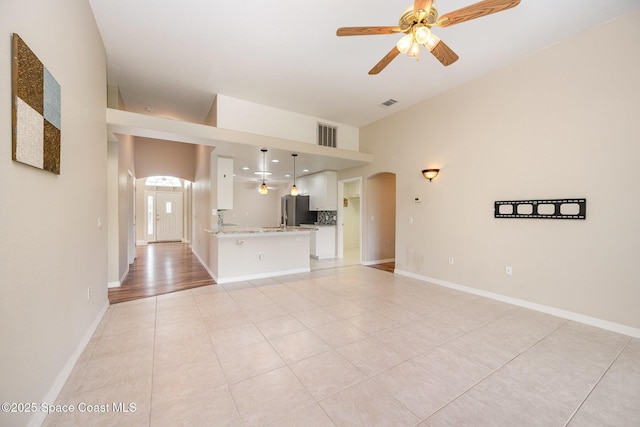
(327, 135)
(388, 103)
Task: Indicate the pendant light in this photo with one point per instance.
(263, 187)
(294, 189)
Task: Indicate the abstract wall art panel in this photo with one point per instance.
(35, 111)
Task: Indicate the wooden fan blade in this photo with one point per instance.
(367, 31)
(385, 61)
(421, 7)
(444, 53)
(476, 10)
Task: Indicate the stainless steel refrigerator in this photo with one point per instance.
(295, 211)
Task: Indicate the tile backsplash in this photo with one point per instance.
(327, 217)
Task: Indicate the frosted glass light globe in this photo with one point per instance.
(405, 43)
(422, 34)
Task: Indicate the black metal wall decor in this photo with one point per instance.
(548, 209)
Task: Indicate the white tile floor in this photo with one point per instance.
(349, 346)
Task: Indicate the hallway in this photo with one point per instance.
(161, 268)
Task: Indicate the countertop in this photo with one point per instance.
(259, 230)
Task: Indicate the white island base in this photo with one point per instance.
(237, 255)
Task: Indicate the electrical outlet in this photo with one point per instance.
(450, 260)
(508, 270)
(88, 293)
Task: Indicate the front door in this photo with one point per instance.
(169, 216)
(163, 216)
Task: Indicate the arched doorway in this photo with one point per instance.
(163, 203)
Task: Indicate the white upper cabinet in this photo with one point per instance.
(322, 189)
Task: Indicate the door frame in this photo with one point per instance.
(340, 222)
(155, 214)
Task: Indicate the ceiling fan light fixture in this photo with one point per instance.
(422, 34)
(432, 42)
(414, 51)
(405, 43)
(416, 23)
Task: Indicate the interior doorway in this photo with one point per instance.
(349, 241)
(381, 219)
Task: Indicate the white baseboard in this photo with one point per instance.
(565, 314)
(63, 376)
(204, 264)
(119, 283)
(379, 261)
(124, 275)
(141, 243)
(323, 256)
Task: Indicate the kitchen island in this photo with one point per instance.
(245, 253)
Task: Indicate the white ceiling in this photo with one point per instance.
(173, 57)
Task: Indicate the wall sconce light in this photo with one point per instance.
(430, 173)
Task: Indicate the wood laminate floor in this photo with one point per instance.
(160, 269)
(385, 266)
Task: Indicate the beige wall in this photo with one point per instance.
(560, 123)
(120, 164)
(126, 199)
(165, 158)
(51, 249)
(120, 195)
(201, 194)
(113, 233)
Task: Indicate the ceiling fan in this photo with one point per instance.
(416, 23)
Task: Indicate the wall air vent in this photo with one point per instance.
(388, 103)
(327, 135)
